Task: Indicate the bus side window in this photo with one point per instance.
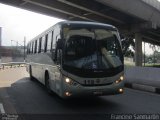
(40, 44)
(58, 52)
(49, 41)
(30, 48)
(52, 39)
(56, 33)
(45, 43)
(35, 47)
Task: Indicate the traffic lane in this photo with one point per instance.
(5, 102)
(7, 77)
(30, 97)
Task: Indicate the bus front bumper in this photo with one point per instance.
(79, 90)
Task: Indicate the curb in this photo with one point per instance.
(141, 87)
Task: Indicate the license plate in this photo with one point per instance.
(97, 93)
(89, 82)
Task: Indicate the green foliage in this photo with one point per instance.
(128, 47)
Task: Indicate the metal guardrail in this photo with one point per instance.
(12, 64)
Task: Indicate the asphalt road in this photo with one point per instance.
(30, 98)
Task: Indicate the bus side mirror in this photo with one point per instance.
(123, 46)
(53, 54)
(59, 44)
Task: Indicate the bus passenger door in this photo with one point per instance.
(58, 72)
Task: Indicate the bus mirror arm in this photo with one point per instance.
(53, 55)
(56, 56)
(59, 44)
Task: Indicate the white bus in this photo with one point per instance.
(74, 58)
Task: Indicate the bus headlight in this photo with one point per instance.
(117, 81)
(121, 90)
(67, 80)
(70, 81)
(120, 79)
(68, 94)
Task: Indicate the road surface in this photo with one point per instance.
(19, 95)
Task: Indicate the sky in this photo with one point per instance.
(17, 23)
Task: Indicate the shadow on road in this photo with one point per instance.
(32, 97)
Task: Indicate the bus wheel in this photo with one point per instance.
(30, 73)
(47, 84)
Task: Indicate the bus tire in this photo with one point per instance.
(47, 84)
(30, 73)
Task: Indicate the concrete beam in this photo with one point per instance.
(57, 9)
(154, 33)
(70, 11)
(138, 49)
(91, 11)
(136, 8)
(144, 27)
(150, 39)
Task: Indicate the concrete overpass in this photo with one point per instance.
(139, 19)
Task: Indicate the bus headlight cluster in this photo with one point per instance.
(121, 90)
(68, 94)
(120, 79)
(70, 81)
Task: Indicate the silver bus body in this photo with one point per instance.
(96, 70)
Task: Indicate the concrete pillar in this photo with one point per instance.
(138, 49)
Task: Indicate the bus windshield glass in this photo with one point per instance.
(95, 49)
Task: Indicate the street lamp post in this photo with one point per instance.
(24, 49)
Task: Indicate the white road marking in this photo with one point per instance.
(1, 109)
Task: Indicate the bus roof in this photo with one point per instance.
(75, 23)
(86, 23)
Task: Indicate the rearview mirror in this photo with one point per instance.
(59, 44)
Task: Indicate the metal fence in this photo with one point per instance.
(12, 65)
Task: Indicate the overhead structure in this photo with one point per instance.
(132, 17)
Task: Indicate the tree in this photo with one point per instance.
(128, 46)
(155, 52)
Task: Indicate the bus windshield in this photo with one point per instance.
(92, 49)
